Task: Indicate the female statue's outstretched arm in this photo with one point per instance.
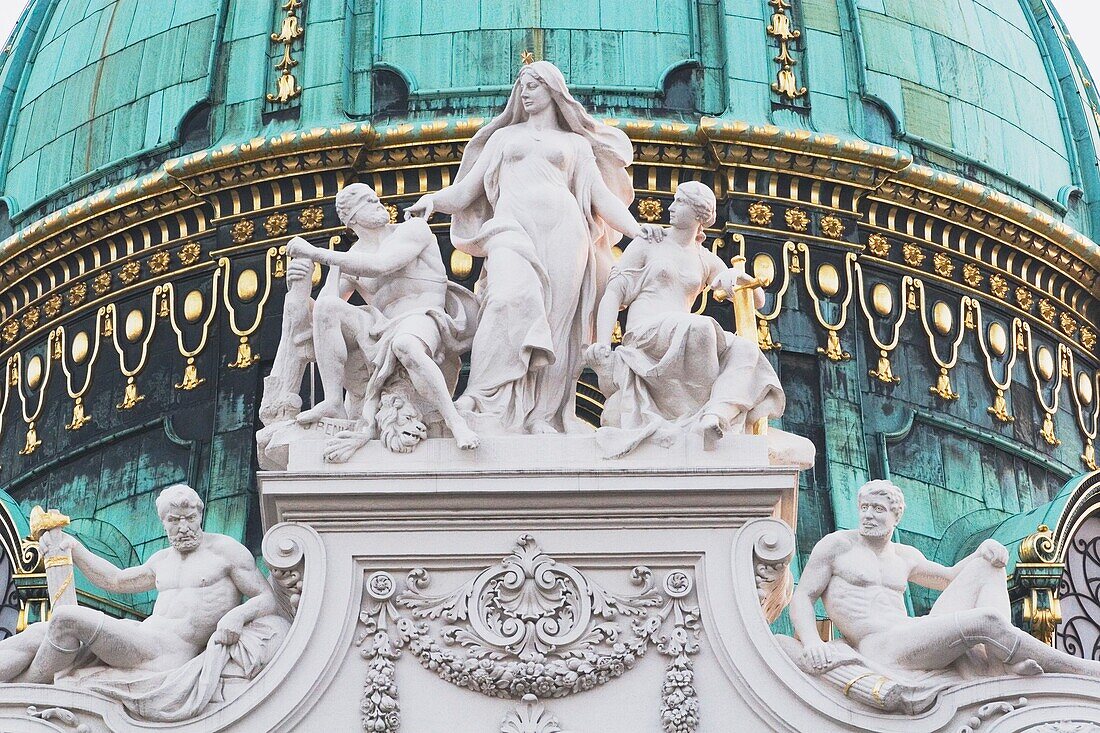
(461, 193)
(611, 209)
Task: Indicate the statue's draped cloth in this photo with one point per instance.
(217, 675)
(547, 260)
(681, 364)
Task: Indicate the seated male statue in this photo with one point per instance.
(861, 576)
(405, 343)
(200, 580)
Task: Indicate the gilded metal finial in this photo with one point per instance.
(527, 57)
(43, 521)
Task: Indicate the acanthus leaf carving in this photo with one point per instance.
(530, 626)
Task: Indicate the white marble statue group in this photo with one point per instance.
(542, 195)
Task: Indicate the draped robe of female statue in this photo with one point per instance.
(529, 201)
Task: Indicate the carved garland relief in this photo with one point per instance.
(529, 626)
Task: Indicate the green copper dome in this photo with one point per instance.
(95, 92)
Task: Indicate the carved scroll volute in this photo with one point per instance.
(771, 556)
(284, 552)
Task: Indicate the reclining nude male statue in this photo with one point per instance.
(390, 365)
(861, 575)
(169, 666)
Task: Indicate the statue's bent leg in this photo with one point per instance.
(335, 325)
(1022, 652)
(17, 652)
(919, 644)
(415, 354)
(978, 585)
(119, 643)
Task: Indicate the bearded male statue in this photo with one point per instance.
(861, 576)
(153, 666)
(406, 342)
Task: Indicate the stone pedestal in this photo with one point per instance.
(533, 587)
(529, 547)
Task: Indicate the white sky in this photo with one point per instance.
(1082, 17)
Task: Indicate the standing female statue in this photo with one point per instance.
(542, 194)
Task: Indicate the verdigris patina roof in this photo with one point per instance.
(992, 89)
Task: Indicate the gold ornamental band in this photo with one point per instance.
(857, 678)
(61, 591)
(59, 561)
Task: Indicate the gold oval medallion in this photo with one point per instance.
(1045, 361)
(882, 299)
(462, 264)
(998, 338)
(828, 279)
(763, 268)
(79, 348)
(1084, 388)
(942, 317)
(248, 284)
(34, 372)
(192, 306)
(315, 279)
(135, 324)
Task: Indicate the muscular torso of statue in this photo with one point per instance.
(390, 293)
(866, 594)
(194, 591)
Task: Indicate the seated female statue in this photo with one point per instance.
(677, 371)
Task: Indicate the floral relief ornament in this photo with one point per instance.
(797, 219)
(942, 264)
(879, 245)
(1047, 310)
(276, 225)
(77, 293)
(242, 231)
(30, 318)
(52, 306)
(530, 625)
(189, 253)
(312, 218)
(832, 227)
(998, 286)
(912, 255)
(130, 272)
(972, 275)
(102, 283)
(158, 263)
(650, 210)
(760, 214)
